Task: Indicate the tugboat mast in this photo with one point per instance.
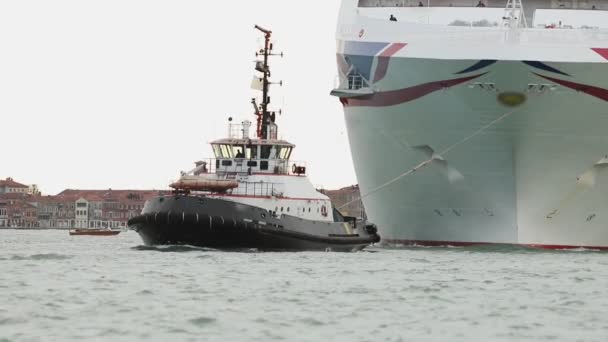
(264, 118)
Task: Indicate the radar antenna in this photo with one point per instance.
(264, 117)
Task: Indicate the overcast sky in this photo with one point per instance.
(125, 94)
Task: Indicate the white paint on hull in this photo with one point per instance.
(516, 172)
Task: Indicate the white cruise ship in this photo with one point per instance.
(479, 121)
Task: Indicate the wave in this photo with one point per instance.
(38, 257)
(172, 248)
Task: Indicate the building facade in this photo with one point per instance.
(3, 214)
(9, 186)
(92, 208)
(18, 210)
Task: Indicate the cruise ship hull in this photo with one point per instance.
(457, 151)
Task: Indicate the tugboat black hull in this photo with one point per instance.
(222, 224)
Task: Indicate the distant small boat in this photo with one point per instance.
(96, 232)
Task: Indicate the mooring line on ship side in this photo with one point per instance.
(428, 161)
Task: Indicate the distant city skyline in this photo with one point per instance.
(125, 94)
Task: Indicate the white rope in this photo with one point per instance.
(428, 161)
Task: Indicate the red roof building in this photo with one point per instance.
(9, 186)
(92, 208)
(18, 210)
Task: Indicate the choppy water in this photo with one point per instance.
(54, 287)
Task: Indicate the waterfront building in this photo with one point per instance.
(9, 186)
(81, 213)
(18, 210)
(3, 214)
(103, 208)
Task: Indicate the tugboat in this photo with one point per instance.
(251, 195)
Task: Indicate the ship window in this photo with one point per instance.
(273, 152)
(287, 209)
(217, 151)
(226, 151)
(252, 163)
(308, 209)
(284, 152)
(252, 152)
(264, 165)
(281, 209)
(265, 151)
(237, 151)
(226, 162)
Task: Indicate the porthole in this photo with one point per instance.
(281, 209)
(287, 209)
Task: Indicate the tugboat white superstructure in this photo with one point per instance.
(479, 121)
(251, 195)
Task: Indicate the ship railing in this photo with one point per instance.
(257, 189)
(231, 168)
(530, 35)
(459, 3)
(352, 80)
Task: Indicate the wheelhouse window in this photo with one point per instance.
(226, 151)
(265, 151)
(238, 151)
(275, 152)
(217, 151)
(252, 152)
(284, 152)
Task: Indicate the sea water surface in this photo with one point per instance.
(55, 287)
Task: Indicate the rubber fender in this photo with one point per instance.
(371, 229)
(136, 220)
(217, 222)
(240, 224)
(189, 218)
(175, 217)
(204, 220)
(160, 218)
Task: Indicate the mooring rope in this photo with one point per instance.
(428, 161)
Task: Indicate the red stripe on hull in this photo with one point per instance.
(384, 59)
(598, 92)
(601, 52)
(433, 243)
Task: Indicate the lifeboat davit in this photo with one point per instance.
(198, 183)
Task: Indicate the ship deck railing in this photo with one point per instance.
(527, 4)
(257, 189)
(231, 168)
(537, 15)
